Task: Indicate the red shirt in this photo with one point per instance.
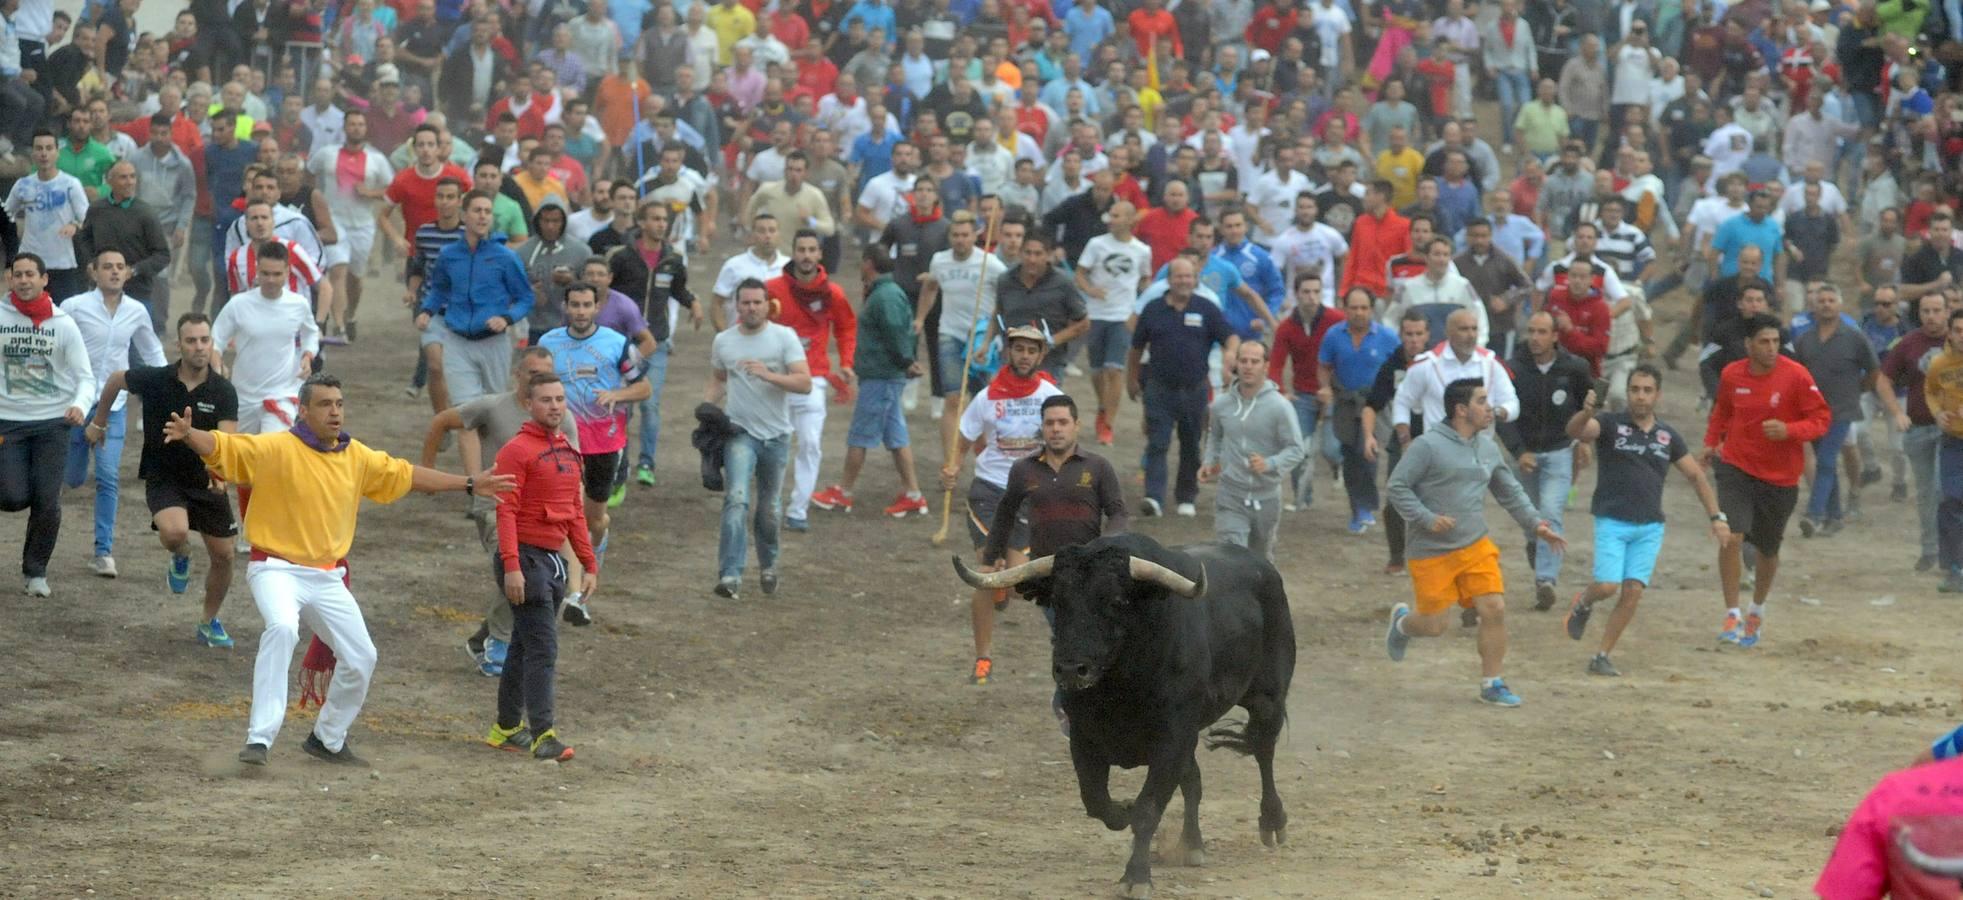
(1165, 232)
(791, 29)
(546, 508)
(1745, 401)
(1033, 121)
(1126, 188)
(531, 122)
(817, 78)
(1373, 241)
(1589, 338)
(1302, 345)
(1526, 196)
(1439, 74)
(1269, 27)
(417, 195)
(1148, 26)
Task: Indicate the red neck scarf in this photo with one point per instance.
(1507, 27)
(813, 293)
(919, 219)
(38, 310)
(1010, 386)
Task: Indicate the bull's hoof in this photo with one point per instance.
(1135, 891)
(1193, 856)
(1118, 816)
(1274, 837)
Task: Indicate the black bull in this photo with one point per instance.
(1152, 645)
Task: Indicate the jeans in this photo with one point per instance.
(107, 458)
(1515, 91)
(1169, 408)
(1919, 443)
(1949, 515)
(1393, 522)
(1824, 504)
(1359, 480)
(753, 477)
(1547, 485)
(1307, 411)
(31, 455)
(650, 408)
(1584, 130)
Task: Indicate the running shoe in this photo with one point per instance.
(1952, 583)
(342, 757)
(473, 647)
(905, 506)
(1543, 596)
(1732, 625)
(1187, 510)
(1600, 665)
(832, 498)
(1105, 435)
(1831, 527)
(496, 651)
(103, 566)
(37, 587)
(1151, 507)
(511, 740)
(576, 612)
(179, 576)
(793, 523)
(253, 755)
(1925, 562)
(1807, 526)
(1498, 694)
(1395, 640)
(1577, 619)
(348, 331)
(767, 579)
(618, 496)
(1290, 506)
(1754, 627)
(983, 668)
(1871, 476)
(728, 588)
(645, 475)
(1358, 525)
(212, 634)
(1393, 568)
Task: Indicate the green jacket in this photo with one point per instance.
(886, 340)
(1898, 17)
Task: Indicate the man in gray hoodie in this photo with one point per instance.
(1254, 440)
(1440, 487)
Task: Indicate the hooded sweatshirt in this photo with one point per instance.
(540, 258)
(545, 508)
(1242, 427)
(46, 361)
(818, 312)
(1443, 473)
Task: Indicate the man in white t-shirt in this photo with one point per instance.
(963, 279)
(1113, 269)
(761, 261)
(1332, 27)
(691, 201)
(273, 338)
(1309, 247)
(1271, 200)
(354, 189)
(1635, 62)
(48, 206)
(885, 194)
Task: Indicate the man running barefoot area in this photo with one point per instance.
(113, 324)
(311, 482)
(1942, 387)
(1636, 451)
(755, 366)
(182, 494)
(1767, 408)
(1440, 487)
(807, 301)
(1007, 420)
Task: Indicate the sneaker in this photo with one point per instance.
(510, 740)
(767, 579)
(1748, 578)
(103, 566)
(1395, 641)
(645, 475)
(412, 392)
(1056, 709)
(212, 634)
(1807, 526)
(1188, 510)
(905, 506)
(474, 648)
(496, 651)
(1754, 626)
(1073, 371)
(1468, 617)
(1290, 506)
(1600, 665)
(1150, 507)
(618, 496)
(349, 332)
(179, 576)
(1871, 476)
(1729, 633)
(549, 748)
(342, 757)
(910, 395)
(37, 587)
(1498, 694)
(1506, 149)
(1577, 618)
(1831, 527)
(728, 588)
(1898, 493)
(1393, 568)
(1358, 525)
(935, 411)
(983, 668)
(793, 523)
(832, 498)
(1105, 435)
(253, 755)
(575, 611)
(1922, 564)
(1952, 583)
(1543, 596)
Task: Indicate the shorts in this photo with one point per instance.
(269, 416)
(351, 250)
(207, 510)
(954, 363)
(597, 471)
(1455, 578)
(877, 419)
(1754, 508)
(1626, 551)
(982, 500)
(1108, 344)
(434, 333)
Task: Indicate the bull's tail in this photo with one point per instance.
(1231, 736)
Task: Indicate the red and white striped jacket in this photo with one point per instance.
(242, 269)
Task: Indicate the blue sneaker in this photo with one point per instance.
(794, 524)
(1498, 694)
(212, 634)
(180, 574)
(495, 651)
(1358, 525)
(1749, 638)
(1369, 518)
(1394, 640)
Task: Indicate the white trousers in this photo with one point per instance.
(808, 422)
(288, 595)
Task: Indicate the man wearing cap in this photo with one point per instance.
(390, 121)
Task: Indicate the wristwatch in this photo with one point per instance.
(470, 485)
(1720, 517)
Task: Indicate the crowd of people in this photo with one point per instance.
(1278, 229)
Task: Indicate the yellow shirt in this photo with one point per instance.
(1402, 171)
(537, 192)
(731, 22)
(1942, 386)
(304, 501)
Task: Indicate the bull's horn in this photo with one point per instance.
(1147, 570)
(1007, 578)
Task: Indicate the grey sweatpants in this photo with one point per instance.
(477, 367)
(1247, 522)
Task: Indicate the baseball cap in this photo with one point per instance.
(387, 73)
(1259, 55)
(1027, 333)
(1819, 6)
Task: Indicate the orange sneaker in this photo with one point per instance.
(1732, 625)
(834, 498)
(905, 506)
(1752, 626)
(1104, 434)
(983, 667)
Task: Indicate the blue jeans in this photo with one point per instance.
(1547, 485)
(107, 458)
(1359, 480)
(1920, 444)
(1584, 130)
(1169, 408)
(650, 408)
(1825, 500)
(1307, 411)
(753, 478)
(1515, 91)
(1949, 514)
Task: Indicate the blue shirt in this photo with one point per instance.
(1258, 269)
(1740, 230)
(1087, 30)
(873, 157)
(1456, 205)
(1356, 365)
(1179, 340)
(225, 174)
(1223, 279)
(959, 191)
(1053, 95)
(470, 286)
(875, 15)
(1516, 236)
(601, 361)
(1803, 323)
(1880, 336)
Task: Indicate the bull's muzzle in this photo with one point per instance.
(1076, 676)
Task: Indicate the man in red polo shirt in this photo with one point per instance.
(1375, 237)
(414, 189)
(1164, 228)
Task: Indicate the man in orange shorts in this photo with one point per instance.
(1439, 487)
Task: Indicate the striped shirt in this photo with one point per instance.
(1626, 248)
(430, 241)
(302, 271)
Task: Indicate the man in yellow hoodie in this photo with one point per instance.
(310, 483)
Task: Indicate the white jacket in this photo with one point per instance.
(1423, 389)
(46, 367)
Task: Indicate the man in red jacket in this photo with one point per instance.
(805, 299)
(1581, 317)
(543, 513)
(1767, 410)
(1376, 236)
(1299, 342)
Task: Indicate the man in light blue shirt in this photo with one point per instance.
(875, 15)
(1514, 235)
(1087, 24)
(1053, 94)
(1755, 226)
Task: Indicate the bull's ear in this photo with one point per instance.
(1035, 590)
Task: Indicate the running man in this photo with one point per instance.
(356, 178)
(885, 357)
(805, 299)
(1636, 451)
(1942, 388)
(544, 513)
(1112, 271)
(303, 274)
(1766, 411)
(962, 280)
(313, 480)
(1007, 420)
(1253, 443)
(274, 336)
(48, 385)
(182, 494)
(1440, 488)
(112, 324)
(755, 367)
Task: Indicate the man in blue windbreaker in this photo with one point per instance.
(478, 286)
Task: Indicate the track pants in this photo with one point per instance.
(526, 687)
(808, 423)
(32, 455)
(287, 595)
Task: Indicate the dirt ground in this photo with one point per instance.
(824, 742)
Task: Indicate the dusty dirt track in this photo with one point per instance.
(824, 742)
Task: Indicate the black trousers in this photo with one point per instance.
(32, 457)
(525, 690)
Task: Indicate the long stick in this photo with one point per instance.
(967, 351)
